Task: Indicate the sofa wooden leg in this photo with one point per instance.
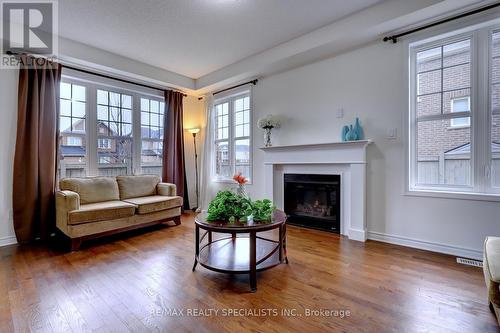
(75, 244)
(177, 220)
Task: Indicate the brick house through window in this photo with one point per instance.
(444, 98)
(443, 83)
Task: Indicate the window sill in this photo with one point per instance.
(228, 181)
(451, 128)
(493, 197)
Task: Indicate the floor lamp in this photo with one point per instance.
(195, 131)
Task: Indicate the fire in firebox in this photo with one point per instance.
(313, 201)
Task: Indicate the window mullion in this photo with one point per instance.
(477, 154)
(480, 119)
(136, 134)
(442, 81)
(444, 116)
(91, 130)
(487, 69)
(232, 124)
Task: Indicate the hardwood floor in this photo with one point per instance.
(136, 281)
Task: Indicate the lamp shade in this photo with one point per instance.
(194, 130)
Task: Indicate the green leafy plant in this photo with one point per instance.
(229, 206)
(262, 210)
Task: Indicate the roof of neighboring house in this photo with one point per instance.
(68, 131)
(155, 133)
(152, 152)
(465, 149)
(75, 151)
(144, 131)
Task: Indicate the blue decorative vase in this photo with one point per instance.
(358, 130)
(351, 136)
(345, 130)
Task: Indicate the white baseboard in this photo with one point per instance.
(425, 245)
(357, 235)
(8, 240)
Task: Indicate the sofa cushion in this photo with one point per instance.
(137, 186)
(92, 189)
(154, 203)
(492, 258)
(101, 211)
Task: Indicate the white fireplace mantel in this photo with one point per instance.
(347, 159)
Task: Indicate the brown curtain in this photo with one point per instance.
(173, 145)
(36, 149)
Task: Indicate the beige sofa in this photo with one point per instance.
(98, 206)
(491, 268)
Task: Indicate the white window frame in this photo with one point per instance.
(133, 138)
(92, 83)
(452, 104)
(480, 112)
(149, 98)
(229, 98)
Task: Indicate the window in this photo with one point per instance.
(449, 151)
(443, 80)
(104, 130)
(74, 141)
(114, 123)
(461, 104)
(233, 149)
(223, 167)
(103, 143)
(72, 126)
(152, 118)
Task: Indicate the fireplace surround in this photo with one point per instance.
(346, 159)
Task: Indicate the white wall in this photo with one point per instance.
(8, 111)
(370, 82)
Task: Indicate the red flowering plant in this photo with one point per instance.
(241, 180)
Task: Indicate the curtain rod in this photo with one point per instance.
(394, 38)
(254, 82)
(105, 76)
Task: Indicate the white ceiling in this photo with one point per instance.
(196, 37)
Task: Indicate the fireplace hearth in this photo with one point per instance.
(313, 201)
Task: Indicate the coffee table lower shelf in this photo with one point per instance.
(232, 255)
(247, 254)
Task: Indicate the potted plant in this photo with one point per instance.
(241, 180)
(268, 123)
(235, 206)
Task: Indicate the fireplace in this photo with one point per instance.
(313, 201)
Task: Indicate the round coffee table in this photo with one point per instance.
(240, 255)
